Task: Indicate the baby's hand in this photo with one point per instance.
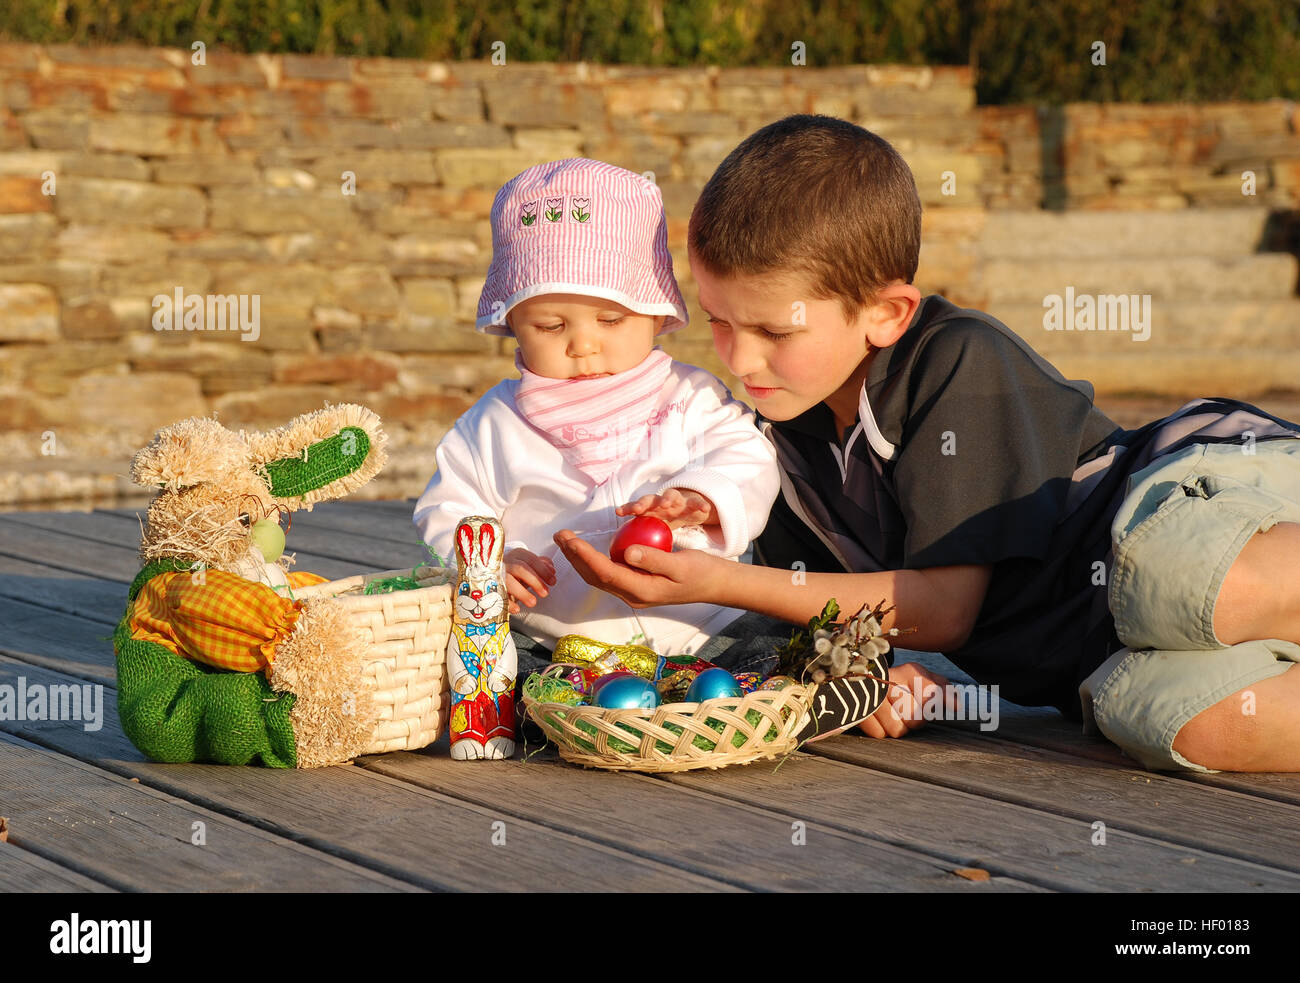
(676, 506)
(525, 569)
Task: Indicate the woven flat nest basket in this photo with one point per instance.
(405, 634)
(677, 736)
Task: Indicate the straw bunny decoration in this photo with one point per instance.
(216, 659)
(481, 657)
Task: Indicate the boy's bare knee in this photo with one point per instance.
(1218, 737)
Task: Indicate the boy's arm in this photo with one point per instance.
(942, 603)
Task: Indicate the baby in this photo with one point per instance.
(602, 424)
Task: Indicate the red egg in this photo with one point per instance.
(643, 530)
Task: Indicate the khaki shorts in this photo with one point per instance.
(1183, 522)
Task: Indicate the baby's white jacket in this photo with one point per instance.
(494, 462)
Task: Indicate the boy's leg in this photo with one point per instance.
(1205, 590)
(1260, 598)
(1267, 738)
(1200, 709)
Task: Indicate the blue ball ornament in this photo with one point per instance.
(628, 693)
(711, 684)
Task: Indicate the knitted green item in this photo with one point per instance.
(324, 461)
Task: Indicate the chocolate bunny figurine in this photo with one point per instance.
(481, 658)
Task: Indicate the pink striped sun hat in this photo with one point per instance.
(579, 226)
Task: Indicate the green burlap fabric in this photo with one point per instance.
(324, 461)
(176, 710)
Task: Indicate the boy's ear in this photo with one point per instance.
(890, 316)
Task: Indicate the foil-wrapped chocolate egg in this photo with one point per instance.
(627, 693)
(711, 684)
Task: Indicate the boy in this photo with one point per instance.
(1147, 579)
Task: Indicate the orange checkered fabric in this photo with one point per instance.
(225, 621)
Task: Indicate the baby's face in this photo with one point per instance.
(570, 336)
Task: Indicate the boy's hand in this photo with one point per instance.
(684, 577)
(900, 714)
(676, 506)
(525, 569)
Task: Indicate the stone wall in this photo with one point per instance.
(127, 173)
(229, 178)
(1141, 157)
(1172, 156)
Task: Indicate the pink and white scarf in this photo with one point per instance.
(598, 424)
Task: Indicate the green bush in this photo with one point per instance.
(1022, 50)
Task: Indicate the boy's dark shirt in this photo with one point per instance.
(996, 458)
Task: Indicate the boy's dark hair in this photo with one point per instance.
(817, 195)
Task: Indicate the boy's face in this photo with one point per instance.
(791, 350)
(570, 336)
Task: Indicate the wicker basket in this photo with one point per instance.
(406, 634)
(676, 736)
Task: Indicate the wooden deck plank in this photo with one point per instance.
(1044, 727)
(103, 528)
(391, 504)
(370, 541)
(61, 590)
(364, 519)
(53, 584)
(355, 517)
(1026, 725)
(68, 551)
(748, 847)
(62, 642)
(22, 871)
(358, 518)
(973, 831)
(309, 536)
(429, 839)
(387, 506)
(1052, 732)
(134, 838)
(1089, 791)
(108, 545)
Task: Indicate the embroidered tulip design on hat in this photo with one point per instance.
(579, 226)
